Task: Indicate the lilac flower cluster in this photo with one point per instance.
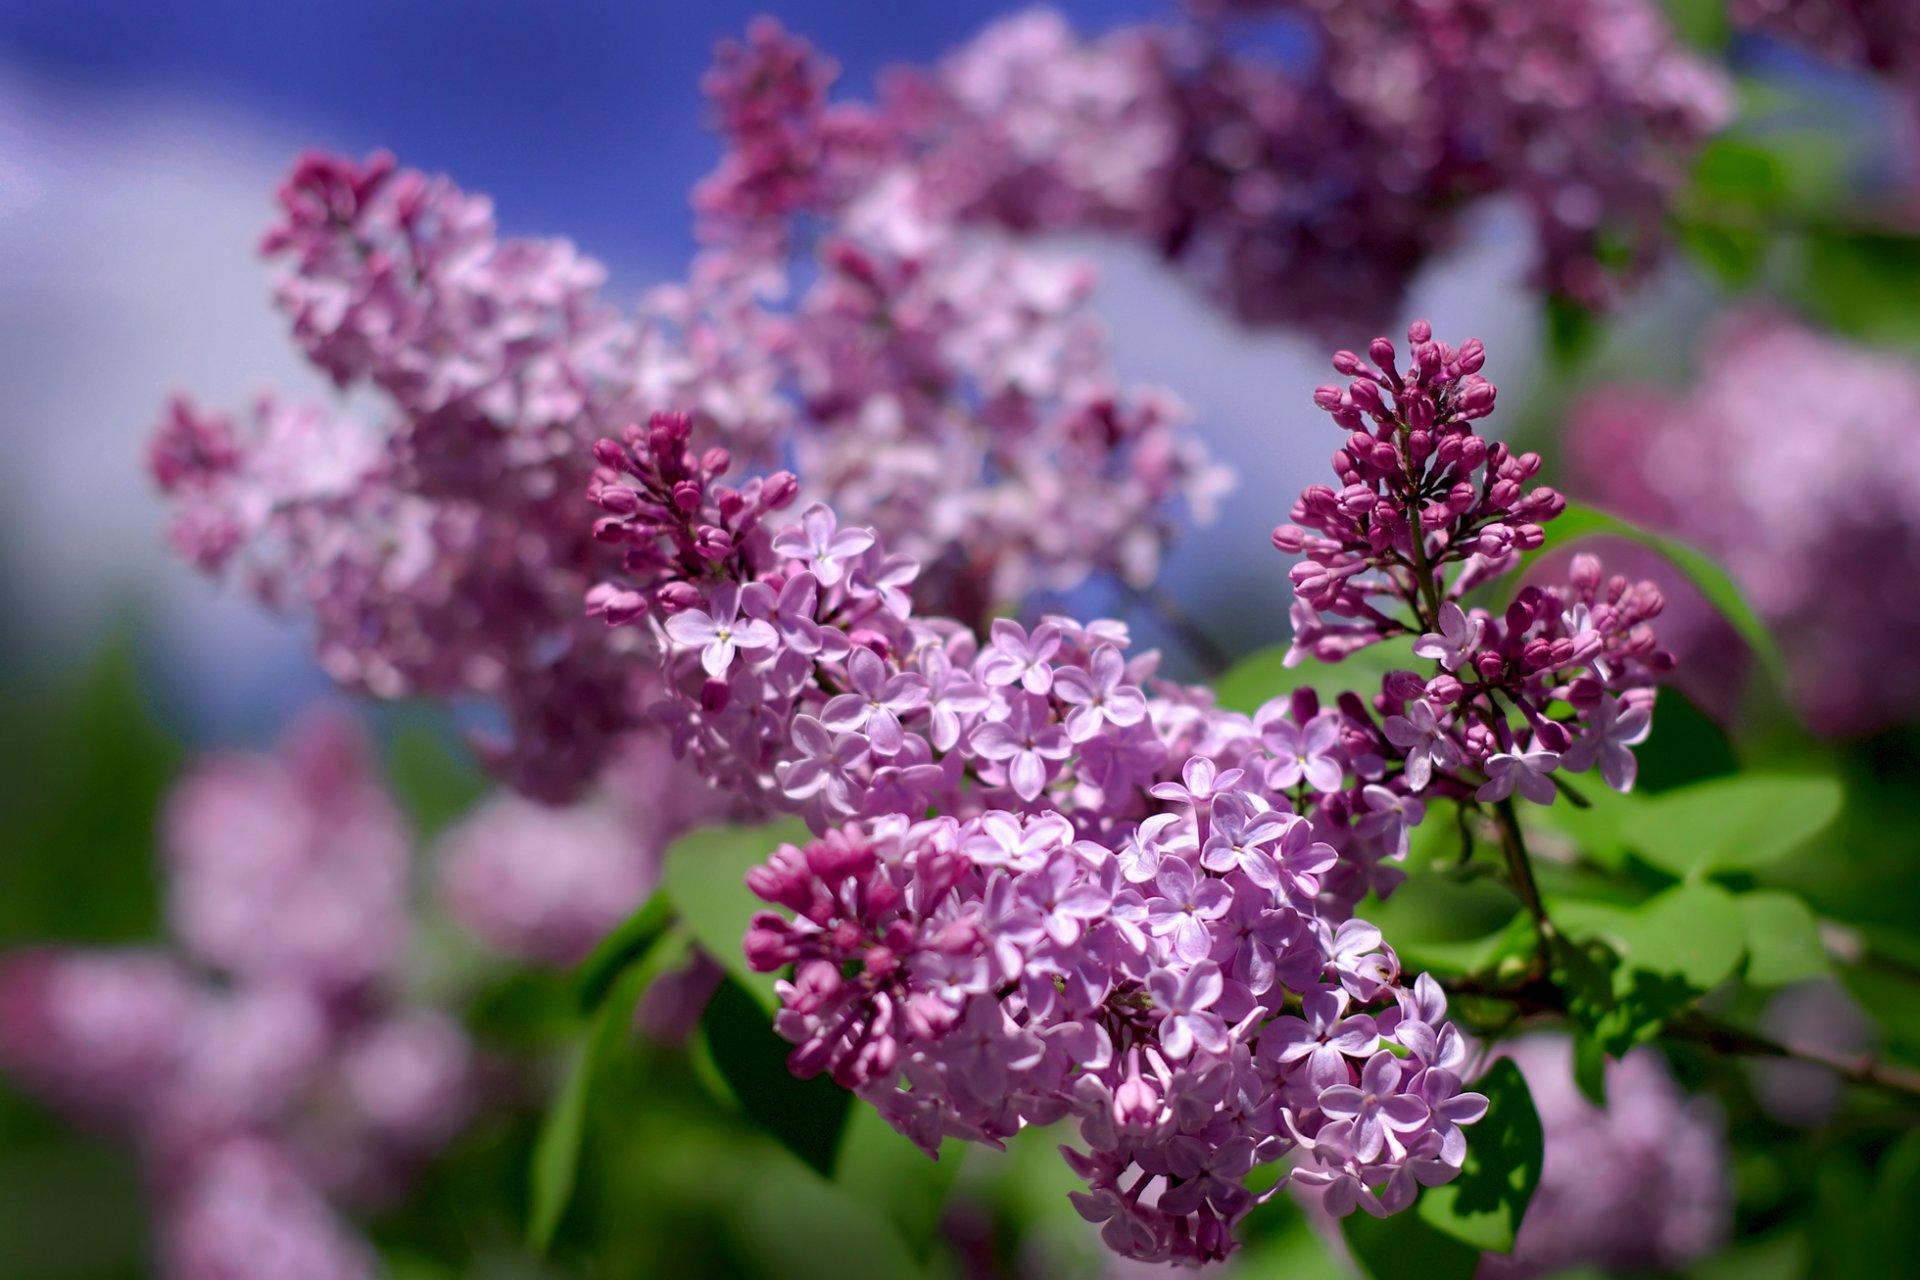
(1788, 458)
(546, 884)
(949, 388)
(1049, 885)
(266, 1072)
(439, 554)
(1641, 1184)
(1313, 194)
(1427, 511)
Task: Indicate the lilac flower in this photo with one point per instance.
(1454, 644)
(1379, 1114)
(825, 764)
(791, 613)
(1099, 695)
(1183, 1001)
(718, 630)
(1609, 729)
(1301, 858)
(1312, 752)
(1025, 742)
(877, 702)
(822, 545)
(1322, 1039)
(1183, 906)
(1356, 954)
(1238, 832)
(1139, 855)
(1014, 657)
(1527, 771)
(1422, 734)
(1390, 817)
(951, 694)
(1064, 900)
(1199, 782)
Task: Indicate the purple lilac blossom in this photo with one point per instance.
(265, 1071)
(1801, 444)
(948, 387)
(1641, 1184)
(1019, 924)
(1312, 194)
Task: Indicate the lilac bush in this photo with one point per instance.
(1765, 461)
(266, 1067)
(1105, 911)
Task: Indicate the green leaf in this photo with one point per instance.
(706, 881)
(1863, 285)
(1783, 939)
(556, 1151)
(1264, 675)
(1701, 570)
(1687, 746)
(1407, 1245)
(1666, 953)
(882, 1170)
(807, 1116)
(1702, 24)
(432, 775)
(1484, 1205)
(1731, 823)
(1573, 330)
(629, 941)
(1589, 1066)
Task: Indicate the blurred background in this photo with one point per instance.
(140, 145)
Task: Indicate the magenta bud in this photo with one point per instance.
(1473, 355)
(1404, 686)
(1445, 689)
(619, 499)
(1383, 355)
(1420, 445)
(687, 495)
(609, 529)
(1346, 362)
(779, 490)
(716, 460)
(622, 607)
(676, 597)
(609, 453)
(1328, 398)
(1366, 396)
(1290, 538)
(1488, 664)
(1476, 398)
(1418, 332)
(1551, 734)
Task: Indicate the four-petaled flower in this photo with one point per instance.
(1185, 904)
(824, 546)
(1610, 729)
(719, 629)
(1390, 816)
(1311, 752)
(877, 702)
(1183, 1000)
(1025, 741)
(1422, 734)
(1014, 657)
(1378, 1113)
(1100, 695)
(1459, 635)
(1525, 771)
